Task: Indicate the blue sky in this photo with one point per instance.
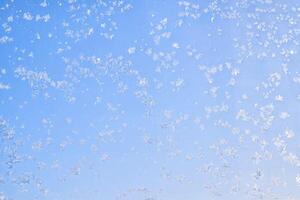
(151, 100)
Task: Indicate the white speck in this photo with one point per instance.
(279, 98)
(27, 16)
(44, 4)
(298, 179)
(143, 82)
(284, 115)
(289, 133)
(131, 50)
(175, 45)
(4, 86)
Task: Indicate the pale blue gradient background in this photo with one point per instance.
(122, 148)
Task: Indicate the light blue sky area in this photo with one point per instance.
(149, 100)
